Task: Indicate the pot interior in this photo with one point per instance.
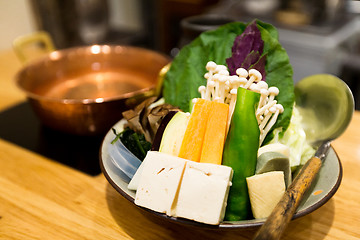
(95, 72)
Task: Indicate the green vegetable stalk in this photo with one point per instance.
(240, 153)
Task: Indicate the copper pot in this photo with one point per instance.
(84, 90)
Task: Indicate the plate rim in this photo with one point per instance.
(226, 225)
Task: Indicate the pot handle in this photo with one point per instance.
(159, 84)
(33, 45)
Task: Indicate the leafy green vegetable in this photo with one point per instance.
(187, 70)
(279, 74)
(295, 138)
(133, 141)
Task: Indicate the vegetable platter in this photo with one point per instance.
(222, 143)
(322, 190)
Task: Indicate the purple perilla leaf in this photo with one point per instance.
(247, 50)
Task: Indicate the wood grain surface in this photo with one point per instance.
(42, 199)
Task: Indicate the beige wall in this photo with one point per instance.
(125, 14)
(15, 19)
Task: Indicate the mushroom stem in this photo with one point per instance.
(211, 67)
(255, 76)
(210, 90)
(222, 87)
(254, 87)
(216, 87)
(227, 95)
(273, 92)
(279, 109)
(264, 94)
(267, 115)
(233, 93)
(202, 91)
(242, 82)
(265, 107)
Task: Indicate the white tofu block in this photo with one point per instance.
(134, 182)
(265, 191)
(203, 192)
(159, 181)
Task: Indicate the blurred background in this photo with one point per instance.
(321, 36)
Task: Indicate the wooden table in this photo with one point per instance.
(43, 199)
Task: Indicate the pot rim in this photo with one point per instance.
(95, 49)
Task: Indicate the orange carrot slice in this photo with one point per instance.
(194, 135)
(215, 133)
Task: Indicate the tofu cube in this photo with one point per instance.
(134, 182)
(203, 192)
(159, 181)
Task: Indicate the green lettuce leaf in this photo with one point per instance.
(295, 138)
(278, 73)
(187, 70)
